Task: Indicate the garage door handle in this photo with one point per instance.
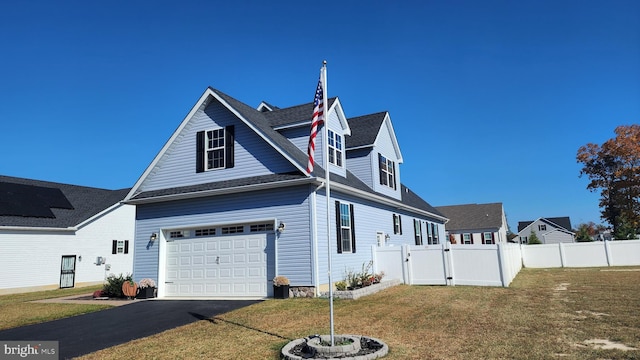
(217, 259)
(168, 282)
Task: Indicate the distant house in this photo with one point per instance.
(227, 205)
(475, 223)
(59, 236)
(548, 230)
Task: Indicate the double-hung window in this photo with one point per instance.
(487, 238)
(335, 148)
(214, 149)
(120, 247)
(417, 228)
(387, 169)
(397, 224)
(345, 230)
(467, 239)
(434, 234)
(542, 227)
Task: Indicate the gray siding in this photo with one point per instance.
(287, 205)
(369, 219)
(359, 163)
(253, 156)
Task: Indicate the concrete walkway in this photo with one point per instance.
(83, 334)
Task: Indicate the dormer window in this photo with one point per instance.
(214, 149)
(335, 149)
(387, 171)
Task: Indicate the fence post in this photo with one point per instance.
(374, 258)
(563, 260)
(406, 266)
(450, 271)
(607, 251)
(501, 263)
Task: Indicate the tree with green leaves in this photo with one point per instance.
(533, 238)
(614, 168)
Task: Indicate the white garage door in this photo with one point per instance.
(225, 266)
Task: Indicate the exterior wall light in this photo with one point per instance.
(281, 227)
(153, 237)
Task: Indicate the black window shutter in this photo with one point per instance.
(114, 246)
(381, 173)
(200, 151)
(338, 228)
(229, 136)
(353, 229)
(400, 223)
(395, 231)
(126, 246)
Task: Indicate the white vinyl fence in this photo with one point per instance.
(450, 264)
(600, 253)
(494, 265)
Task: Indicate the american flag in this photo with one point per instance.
(317, 120)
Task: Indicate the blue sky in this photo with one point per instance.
(490, 100)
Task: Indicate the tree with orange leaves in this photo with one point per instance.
(614, 168)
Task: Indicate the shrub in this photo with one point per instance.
(341, 285)
(113, 286)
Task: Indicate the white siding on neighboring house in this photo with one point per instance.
(31, 260)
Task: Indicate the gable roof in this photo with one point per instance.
(82, 203)
(365, 129)
(563, 222)
(265, 123)
(473, 216)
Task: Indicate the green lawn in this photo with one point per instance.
(544, 314)
(19, 310)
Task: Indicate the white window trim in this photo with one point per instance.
(335, 138)
(209, 151)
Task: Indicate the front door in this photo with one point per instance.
(68, 271)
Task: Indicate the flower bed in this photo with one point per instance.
(364, 291)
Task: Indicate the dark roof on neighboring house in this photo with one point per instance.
(34, 203)
(562, 222)
(364, 129)
(473, 216)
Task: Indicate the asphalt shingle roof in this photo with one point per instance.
(265, 123)
(86, 202)
(563, 222)
(473, 216)
(364, 129)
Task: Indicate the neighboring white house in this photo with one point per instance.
(475, 223)
(548, 230)
(58, 236)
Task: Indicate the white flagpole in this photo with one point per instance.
(325, 155)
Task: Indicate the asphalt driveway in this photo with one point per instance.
(83, 334)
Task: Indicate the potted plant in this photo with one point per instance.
(147, 289)
(281, 287)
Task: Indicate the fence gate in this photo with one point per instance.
(68, 271)
(428, 265)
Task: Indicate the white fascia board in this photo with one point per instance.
(99, 215)
(337, 107)
(203, 99)
(257, 131)
(224, 191)
(392, 134)
(383, 200)
(293, 125)
(39, 229)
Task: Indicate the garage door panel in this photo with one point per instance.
(234, 265)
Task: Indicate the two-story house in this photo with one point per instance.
(548, 230)
(227, 203)
(475, 223)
